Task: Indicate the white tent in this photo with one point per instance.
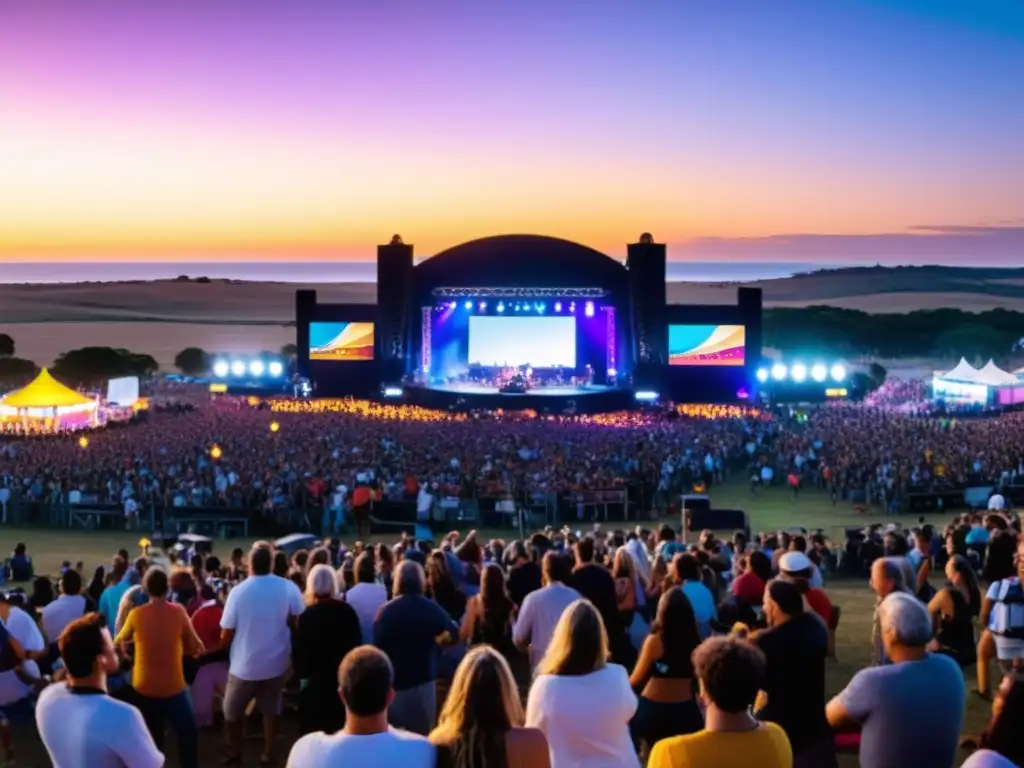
(995, 376)
(964, 371)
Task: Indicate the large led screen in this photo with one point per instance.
(341, 341)
(706, 345)
(540, 342)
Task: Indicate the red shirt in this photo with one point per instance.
(820, 604)
(749, 588)
(206, 622)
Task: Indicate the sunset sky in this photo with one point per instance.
(816, 130)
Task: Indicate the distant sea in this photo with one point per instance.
(343, 271)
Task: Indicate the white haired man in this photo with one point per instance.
(910, 711)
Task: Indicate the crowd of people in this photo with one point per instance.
(312, 456)
(604, 649)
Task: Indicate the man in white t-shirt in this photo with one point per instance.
(14, 687)
(257, 623)
(365, 680)
(80, 725)
(66, 608)
(542, 609)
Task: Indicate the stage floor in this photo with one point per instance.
(471, 388)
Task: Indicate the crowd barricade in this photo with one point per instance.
(393, 518)
(219, 522)
(934, 501)
(1014, 495)
(607, 504)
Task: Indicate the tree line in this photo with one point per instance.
(95, 365)
(946, 333)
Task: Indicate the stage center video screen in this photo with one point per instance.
(723, 345)
(540, 342)
(340, 342)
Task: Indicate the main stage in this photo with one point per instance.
(474, 389)
(464, 395)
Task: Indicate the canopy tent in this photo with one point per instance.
(45, 392)
(964, 371)
(995, 376)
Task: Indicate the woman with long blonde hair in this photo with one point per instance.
(581, 702)
(481, 722)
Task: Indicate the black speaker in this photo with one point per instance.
(750, 303)
(645, 261)
(394, 294)
(305, 304)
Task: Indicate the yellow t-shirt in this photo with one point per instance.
(766, 747)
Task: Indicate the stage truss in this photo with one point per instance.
(491, 292)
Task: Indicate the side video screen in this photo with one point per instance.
(340, 342)
(723, 345)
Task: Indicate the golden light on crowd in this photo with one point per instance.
(216, 452)
(83, 442)
(274, 426)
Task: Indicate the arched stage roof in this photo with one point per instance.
(521, 260)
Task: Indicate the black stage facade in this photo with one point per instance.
(528, 322)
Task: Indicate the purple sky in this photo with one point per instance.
(843, 130)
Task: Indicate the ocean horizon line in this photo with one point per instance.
(333, 272)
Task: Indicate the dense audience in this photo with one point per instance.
(473, 662)
(598, 649)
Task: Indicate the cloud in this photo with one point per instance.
(974, 244)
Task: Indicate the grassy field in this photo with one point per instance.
(773, 510)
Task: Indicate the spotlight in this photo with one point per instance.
(519, 307)
(257, 368)
(838, 372)
(762, 375)
(819, 372)
(612, 373)
(501, 306)
(238, 368)
(468, 305)
(483, 305)
(588, 309)
(452, 305)
(558, 306)
(779, 371)
(540, 307)
(275, 368)
(221, 369)
(572, 306)
(392, 391)
(798, 372)
(646, 396)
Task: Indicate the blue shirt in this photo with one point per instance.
(703, 603)
(910, 713)
(406, 630)
(977, 535)
(110, 601)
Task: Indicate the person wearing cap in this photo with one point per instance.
(797, 568)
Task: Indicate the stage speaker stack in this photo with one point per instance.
(750, 303)
(645, 261)
(305, 304)
(394, 295)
